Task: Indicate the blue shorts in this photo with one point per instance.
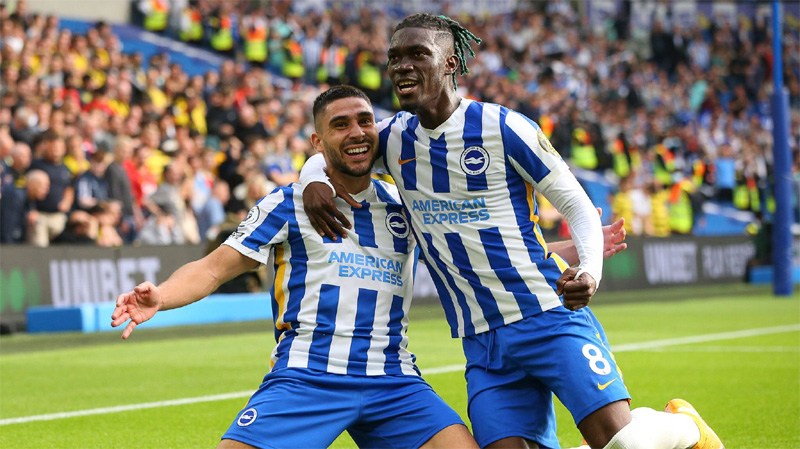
(513, 371)
(303, 408)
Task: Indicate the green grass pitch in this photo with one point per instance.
(745, 384)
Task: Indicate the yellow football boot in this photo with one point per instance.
(708, 439)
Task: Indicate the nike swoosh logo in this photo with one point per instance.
(404, 161)
(602, 387)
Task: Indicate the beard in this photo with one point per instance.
(337, 163)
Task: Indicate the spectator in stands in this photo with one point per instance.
(156, 14)
(52, 210)
(81, 229)
(18, 214)
(143, 181)
(249, 128)
(725, 166)
(222, 115)
(91, 187)
(119, 188)
(157, 158)
(75, 157)
(170, 199)
(109, 218)
(14, 172)
(202, 168)
(212, 215)
(161, 229)
(23, 128)
(673, 115)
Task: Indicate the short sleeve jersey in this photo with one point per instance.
(468, 188)
(339, 306)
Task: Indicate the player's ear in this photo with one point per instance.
(451, 64)
(316, 142)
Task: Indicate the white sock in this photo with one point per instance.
(650, 429)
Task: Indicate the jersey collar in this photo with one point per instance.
(454, 122)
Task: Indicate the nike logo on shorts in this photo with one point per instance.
(602, 387)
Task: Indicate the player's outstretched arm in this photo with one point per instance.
(190, 283)
(613, 242)
(318, 203)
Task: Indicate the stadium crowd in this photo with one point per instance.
(101, 146)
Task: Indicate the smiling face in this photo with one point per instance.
(347, 136)
(421, 62)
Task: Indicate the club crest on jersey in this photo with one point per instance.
(474, 160)
(251, 218)
(247, 417)
(544, 142)
(397, 224)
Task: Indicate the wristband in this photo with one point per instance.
(328, 183)
(580, 272)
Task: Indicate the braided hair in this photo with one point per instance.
(461, 36)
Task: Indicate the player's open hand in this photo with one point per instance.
(576, 292)
(613, 237)
(138, 306)
(322, 212)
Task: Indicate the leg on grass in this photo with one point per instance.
(649, 429)
(601, 425)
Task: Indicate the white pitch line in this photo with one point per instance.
(438, 370)
(125, 408)
(731, 349)
(705, 338)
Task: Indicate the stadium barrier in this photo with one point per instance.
(68, 277)
(97, 317)
(77, 285)
(675, 261)
(766, 275)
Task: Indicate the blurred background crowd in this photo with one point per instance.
(104, 146)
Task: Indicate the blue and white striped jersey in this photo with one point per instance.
(468, 187)
(339, 307)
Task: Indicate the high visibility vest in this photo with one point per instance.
(331, 63)
(622, 206)
(741, 197)
(698, 172)
(659, 215)
(680, 210)
(624, 161)
(584, 156)
(755, 197)
(192, 31)
(369, 75)
(293, 66)
(621, 165)
(255, 45)
(746, 195)
(663, 168)
(156, 19)
(583, 153)
(222, 39)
